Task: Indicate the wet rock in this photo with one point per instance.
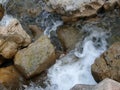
(36, 58)
(1, 11)
(12, 38)
(108, 64)
(10, 78)
(36, 31)
(106, 84)
(68, 36)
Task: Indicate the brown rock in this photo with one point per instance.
(1, 11)
(68, 36)
(108, 65)
(36, 58)
(10, 78)
(36, 31)
(12, 38)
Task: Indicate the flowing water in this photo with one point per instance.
(75, 67)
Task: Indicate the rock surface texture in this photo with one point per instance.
(106, 84)
(10, 78)
(36, 58)
(108, 65)
(81, 8)
(12, 37)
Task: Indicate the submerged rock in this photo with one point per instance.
(12, 38)
(36, 58)
(108, 64)
(106, 84)
(10, 78)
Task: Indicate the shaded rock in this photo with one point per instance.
(68, 36)
(2, 87)
(12, 38)
(2, 60)
(106, 84)
(36, 58)
(1, 11)
(108, 64)
(36, 31)
(10, 78)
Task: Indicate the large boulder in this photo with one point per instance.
(10, 78)
(106, 84)
(12, 37)
(36, 58)
(108, 64)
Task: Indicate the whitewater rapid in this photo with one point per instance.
(75, 67)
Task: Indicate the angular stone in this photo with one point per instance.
(10, 78)
(108, 64)
(36, 58)
(12, 38)
(107, 84)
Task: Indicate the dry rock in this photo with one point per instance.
(106, 84)
(12, 38)
(10, 78)
(36, 58)
(108, 64)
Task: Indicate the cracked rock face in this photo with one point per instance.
(12, 38)
(108, 64)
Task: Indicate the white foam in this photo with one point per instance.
(6, 20)
(70, 70)
(70, 5)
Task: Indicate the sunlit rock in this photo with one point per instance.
(12, 38)
(108, 65)
(10, 78)
(106, 84)
(36, 58)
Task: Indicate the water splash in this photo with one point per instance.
(75, 67)
(6, 20)
(48, 22)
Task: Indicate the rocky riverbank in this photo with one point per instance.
(52, 42)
